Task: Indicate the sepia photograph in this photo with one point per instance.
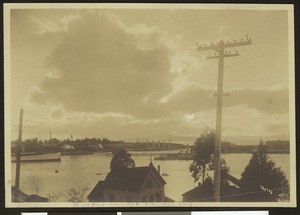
(149, 105)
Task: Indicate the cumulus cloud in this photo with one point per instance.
(102, 69)
(110, 73)
(267, 100)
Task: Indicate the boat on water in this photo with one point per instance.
(35, 157)
(179, 156)
(167, 157)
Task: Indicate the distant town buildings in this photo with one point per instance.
(273, 146)
(138, 184)
(152, 145)
(278, 146)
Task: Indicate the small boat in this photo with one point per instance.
(165, 174)
(34, 157)
(56, 171)
(98, 174)
(167, 157)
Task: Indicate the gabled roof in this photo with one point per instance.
(126, 179)
(97, 192)
(131, 179)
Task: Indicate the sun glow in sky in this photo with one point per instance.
(128, 73)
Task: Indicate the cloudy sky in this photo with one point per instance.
(136, 73)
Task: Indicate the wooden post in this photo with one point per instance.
(220, 49)
(18, 158)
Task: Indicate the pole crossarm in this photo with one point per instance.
(241, 43)
(205, 48)
(225, 55)
(216, 47)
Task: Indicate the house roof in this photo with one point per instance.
(167, 199)
(97, 192)
(205, 193)
(36, 198)
(198, 193)
(23, 197)
(131, 179)
(126, 179)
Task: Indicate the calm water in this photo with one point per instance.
(80, 170)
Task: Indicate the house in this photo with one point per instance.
(198, 194)
(138, 184)
(229, 193)
(23, 197)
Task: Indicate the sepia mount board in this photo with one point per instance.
(136, 70)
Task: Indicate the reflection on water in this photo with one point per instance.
(80, 170)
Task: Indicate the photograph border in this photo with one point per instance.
(7, 83)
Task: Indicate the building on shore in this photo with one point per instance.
(23, 197)
(204, 193)
(138, 184)
(278, 146)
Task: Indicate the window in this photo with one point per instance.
(111, 197)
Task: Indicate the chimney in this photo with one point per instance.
(158, 169)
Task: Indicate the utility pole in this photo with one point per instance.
(221, 54)
(18, 158)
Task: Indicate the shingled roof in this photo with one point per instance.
(131, 179)
(97, 192)
(126, 179)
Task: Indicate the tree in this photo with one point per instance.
(121, 159)
(55, 196)
(203, 162)
(204, 149)
(262, 180)
(78, 194)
